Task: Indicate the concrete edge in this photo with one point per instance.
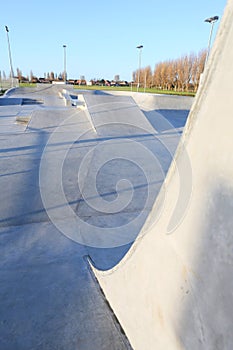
(8, 91)
(88, 115)
(69, 101)
(90, 265)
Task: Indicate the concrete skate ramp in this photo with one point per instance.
(130, 160)
(173, 290)
(162, 111)
(121, 128)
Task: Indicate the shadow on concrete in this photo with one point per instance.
(167, 119)
(100, 92)
(49, 298)
(31, 101)
(10, 101)
(20, 186)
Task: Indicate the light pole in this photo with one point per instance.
(210, 20)
(139, 47)
(10, 58)
(145, 78)
(64, 47)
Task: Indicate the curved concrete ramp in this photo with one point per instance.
(174, 289)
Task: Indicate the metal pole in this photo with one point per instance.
(210, 20)
(139, 64)
(145, 81)
(209, 42)
(10, 58)
(64, 46)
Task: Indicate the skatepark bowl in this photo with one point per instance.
(116, 215)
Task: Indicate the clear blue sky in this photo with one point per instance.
(101, 36)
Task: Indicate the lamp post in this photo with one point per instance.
(64, 47)
(145, 78)
(139, 47)
(10, 58)
(210, 20)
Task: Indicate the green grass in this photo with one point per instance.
(122, 88)
(27, 84)
(134, 89)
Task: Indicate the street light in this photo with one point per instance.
(210, 20)
(64, 47)
(10, 58)
(139, 47)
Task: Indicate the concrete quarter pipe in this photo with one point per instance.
(174, 288)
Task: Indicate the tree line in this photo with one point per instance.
(181, 74)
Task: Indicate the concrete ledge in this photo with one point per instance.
(71, 100)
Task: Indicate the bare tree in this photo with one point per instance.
(19, 74)
(31, 75)
(198, 67)
(179, 74)
(146, 76)
(51, 76)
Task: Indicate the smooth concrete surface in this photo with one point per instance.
(121, 127)
(49, 299)
(122, 163)
(174, 288)
(48, 296)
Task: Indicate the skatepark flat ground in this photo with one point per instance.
(49, 298)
